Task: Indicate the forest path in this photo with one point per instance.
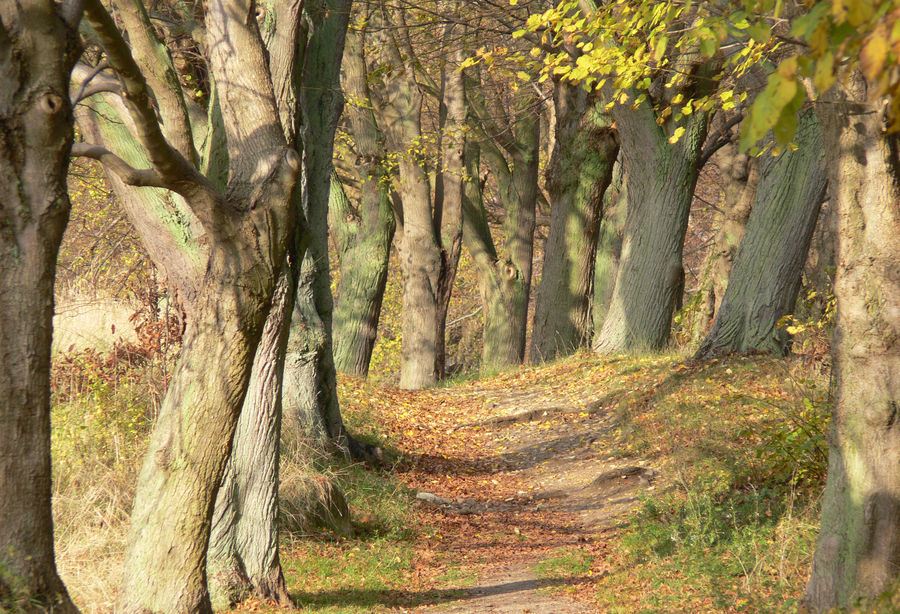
(520, 494)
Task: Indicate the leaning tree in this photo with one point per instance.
(240, 199)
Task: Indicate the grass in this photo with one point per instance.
(733, 530)
(730, 526)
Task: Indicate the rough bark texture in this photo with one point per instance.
(858, 551)
(310, 394)
(419, 245)
(363, 236)
(243, 552)
(741, 182)
(609, 246)
(38, 48)
(580, 171)
(504, 278)
(247, 232)
(449, 186)
(765, 279)
(660, 182)
(364, 242)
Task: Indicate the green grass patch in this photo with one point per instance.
(732, 525)
(565, 563)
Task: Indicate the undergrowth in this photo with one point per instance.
(733, 528)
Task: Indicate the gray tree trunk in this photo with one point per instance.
(858, 551)
(247, 232)
(38, 47)
(609, 246)
(765, 279)
(243, 552)
(363, 237)
(660, 180)
(449, 186)
(419, 244)
(580, 171)
(364, 249)
(512, 152)
(310, 388)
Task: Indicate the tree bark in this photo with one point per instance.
(419, 245)
(765, 279)
(609, 246)
(858, 551)
(38, 47)
(247, 232)
(449, 185)
(505, 278)
(243, 553)
(310, 393)
(580, 171)
(660, 180)
(364, 249)
(363, 238)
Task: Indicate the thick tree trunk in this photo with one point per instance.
(363, 238)
(243, 552)
(609, 246)
(660, 181)
(364, 249)
(310, 387)
(419, 245)
(858, 552)
(765, 279)
(247, 232)
(740, 177)
(504, 293)
(580, 171)
(512, 152)
(449, 187)
(37, 51)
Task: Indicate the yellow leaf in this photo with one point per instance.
(676, 135)
(874, 53)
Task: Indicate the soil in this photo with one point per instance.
(535, 480)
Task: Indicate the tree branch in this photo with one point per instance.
(719, 139)
(115, 164)
(83, 89)
(155, 63)
(176, 172)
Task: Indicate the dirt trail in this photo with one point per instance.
(564, 491)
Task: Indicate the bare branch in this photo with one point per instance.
(178, 174)
(82, 91)
(115, 164)
(719, 139)
(155, 63)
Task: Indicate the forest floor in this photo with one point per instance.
(589, 485)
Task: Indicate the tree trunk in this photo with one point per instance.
(449, 187)
(504, 293)
(419, 246)
(858, 551)
(246, 230)
(364, 249)
(364, 237)
(38, 47)
(512, 152)
(609, 246)
(243, 553)
(310, 387)
(660, 181)
(740, 176)
(580, 171)
(765, 279)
